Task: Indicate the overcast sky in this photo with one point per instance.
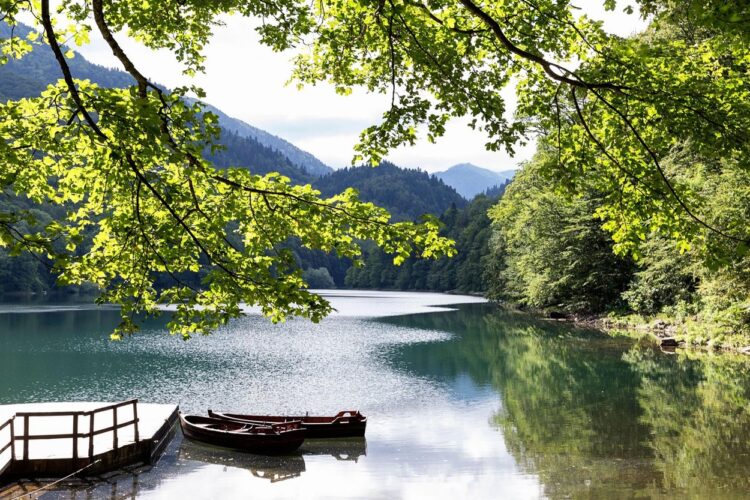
(248, 81)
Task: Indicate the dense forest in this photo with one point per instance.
(406, 193)
(248, 152)
(469, 227)
(549, 252)
(27, 273)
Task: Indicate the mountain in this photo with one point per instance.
(297, 156)
(246, 151)
(247, 146)
(406, 193)
(30, 75)
(470, 180)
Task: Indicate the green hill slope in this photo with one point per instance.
(407, 193)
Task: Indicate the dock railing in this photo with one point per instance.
(76, 434)
(6, 445)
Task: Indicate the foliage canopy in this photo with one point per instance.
(128, 167)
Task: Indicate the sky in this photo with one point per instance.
(249, 81)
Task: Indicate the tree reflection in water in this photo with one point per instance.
(593, 415)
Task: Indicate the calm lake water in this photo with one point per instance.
(465, 403)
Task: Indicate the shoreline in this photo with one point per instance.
(668, 335)
(661, 332)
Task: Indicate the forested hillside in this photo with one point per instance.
(309, 163)
(406, 193)
(469, 227)
(246, 151)
(549, 252)
(30, 75)
(652, 230)
(246, 146)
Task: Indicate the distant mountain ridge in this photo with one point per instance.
(470, 180)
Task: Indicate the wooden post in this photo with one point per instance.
(114, 428)
(135, 419)
(75, 436)
(91, 435)
(26, 437)
(12, 439)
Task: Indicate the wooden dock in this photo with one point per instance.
(52, 440)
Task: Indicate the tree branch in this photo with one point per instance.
(67, 76)
(546, 65)
(116, 49)
(655, 160)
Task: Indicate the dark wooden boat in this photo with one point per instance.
(260, 438)
(348, 423)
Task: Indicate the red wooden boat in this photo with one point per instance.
(263, 439)
(347, 423)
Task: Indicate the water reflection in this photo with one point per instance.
(698, 412)
(273, 468)
(343, 450)
(595, 416)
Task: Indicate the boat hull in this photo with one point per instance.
(350, 424)
(261, 443)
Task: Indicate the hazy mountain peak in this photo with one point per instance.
(470, 180)
(467, 166)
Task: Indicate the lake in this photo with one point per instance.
(464, 401)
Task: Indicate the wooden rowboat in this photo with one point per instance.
(262, 439)
(347, 423)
